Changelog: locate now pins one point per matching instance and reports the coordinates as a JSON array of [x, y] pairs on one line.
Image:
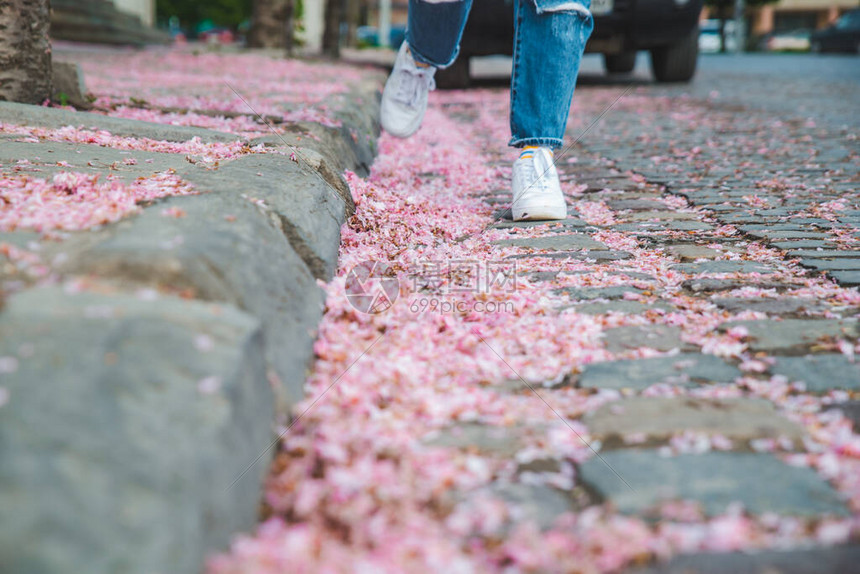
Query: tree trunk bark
[[272, 24], [353, 14], [25, 51], [331, 33]]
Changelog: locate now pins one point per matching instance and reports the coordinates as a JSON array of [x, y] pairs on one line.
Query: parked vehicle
[[668, 29], [789, 41], [843, 36], [368, 36], [709, 36]]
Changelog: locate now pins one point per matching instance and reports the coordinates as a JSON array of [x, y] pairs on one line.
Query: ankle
[[418, 64], [529, 151]]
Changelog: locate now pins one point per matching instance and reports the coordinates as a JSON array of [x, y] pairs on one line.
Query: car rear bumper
[[632, 25], [643, 24]]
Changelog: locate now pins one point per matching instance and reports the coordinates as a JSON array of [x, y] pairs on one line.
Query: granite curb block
[[140, 414], [803, 561], [123, 434]]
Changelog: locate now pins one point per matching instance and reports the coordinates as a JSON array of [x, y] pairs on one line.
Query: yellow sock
[[528, 151]]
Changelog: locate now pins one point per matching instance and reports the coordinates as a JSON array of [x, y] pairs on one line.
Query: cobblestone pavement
[[672, 373]]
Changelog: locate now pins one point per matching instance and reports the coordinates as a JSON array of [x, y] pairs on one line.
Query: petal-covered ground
[[223, 91], [491, 332], [246, 94], [459, 430]]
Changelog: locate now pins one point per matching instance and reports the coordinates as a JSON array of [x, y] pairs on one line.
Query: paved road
[[821, 86]]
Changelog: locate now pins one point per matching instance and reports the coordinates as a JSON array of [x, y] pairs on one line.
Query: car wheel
[[454, 77], [677, 62], [622, 63]]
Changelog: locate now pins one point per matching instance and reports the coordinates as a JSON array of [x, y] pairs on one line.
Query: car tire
[[456, 76], [622, 63], [676, 62]]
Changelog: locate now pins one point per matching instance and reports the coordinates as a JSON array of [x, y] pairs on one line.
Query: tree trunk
[[331, 33], [272, 24], [25, 51], [722, 34], [353, 14]]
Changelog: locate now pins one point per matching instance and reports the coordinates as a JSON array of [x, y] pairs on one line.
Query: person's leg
[[435, 29], [549, 40], [432, 41]]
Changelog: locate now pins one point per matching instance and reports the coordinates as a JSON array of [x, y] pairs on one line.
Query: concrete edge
[[253, 261]]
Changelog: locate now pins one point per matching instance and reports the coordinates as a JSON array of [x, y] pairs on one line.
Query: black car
[[668, 29], [843, 36]]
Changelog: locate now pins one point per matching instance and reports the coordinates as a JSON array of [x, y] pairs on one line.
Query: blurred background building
[[105, 21], [317, 24], [798, 14]]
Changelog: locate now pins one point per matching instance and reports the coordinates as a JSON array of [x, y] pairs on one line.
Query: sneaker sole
[[539, 213]]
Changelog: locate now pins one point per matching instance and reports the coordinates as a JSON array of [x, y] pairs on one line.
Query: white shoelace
[[533, 174], [412, 80]]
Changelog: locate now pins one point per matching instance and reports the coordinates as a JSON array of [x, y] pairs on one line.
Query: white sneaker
[[537, 191], [404, 99]]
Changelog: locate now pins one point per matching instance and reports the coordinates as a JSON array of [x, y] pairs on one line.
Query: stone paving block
[[543, 276], [782, 235], [851, 410], [753, 227], [739, 266], [787, 306], [793, 336], [663, 216], [835, 264], [626, 307], [761, 482], [640, 227], [633, 274], [659, 418], [687, 252], [505, 214], [637, 205], [709, 285], [541, 505], [821, 373], [591, 293], [127, 425], [659, 337], [688, 226], [824, 253], [562, 225], [596, 255], [501, 441], [68, 84], [846, 278], [838, 559], [638, 374], [804, 244], [571, 241]]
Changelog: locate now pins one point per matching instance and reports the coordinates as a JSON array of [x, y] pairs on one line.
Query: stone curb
[[139, 415]]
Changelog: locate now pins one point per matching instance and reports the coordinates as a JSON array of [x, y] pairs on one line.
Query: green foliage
[[226, 13], [729, 4]]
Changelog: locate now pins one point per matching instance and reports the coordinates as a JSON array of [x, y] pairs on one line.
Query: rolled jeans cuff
[[420, 58], [554, 143]]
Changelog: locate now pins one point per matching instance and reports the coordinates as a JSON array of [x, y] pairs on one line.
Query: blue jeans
[[549, 39]]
